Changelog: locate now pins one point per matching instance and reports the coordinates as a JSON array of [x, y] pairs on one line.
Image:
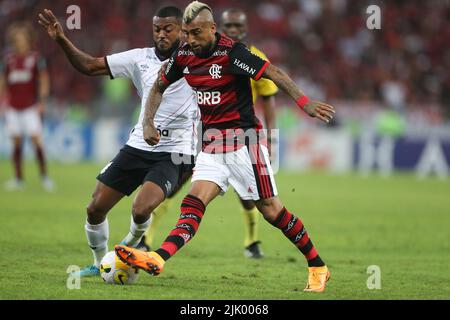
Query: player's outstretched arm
[[151, 135], [81, 61], [315, 109]]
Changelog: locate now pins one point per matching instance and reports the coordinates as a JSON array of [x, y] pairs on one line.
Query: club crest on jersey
[[215, 71]]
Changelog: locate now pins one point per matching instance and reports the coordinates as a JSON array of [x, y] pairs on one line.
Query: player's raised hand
[[320, 110], [48, 20], [151, 135]]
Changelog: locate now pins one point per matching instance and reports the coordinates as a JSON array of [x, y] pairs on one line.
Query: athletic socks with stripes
[[192, 210], [293, 228]]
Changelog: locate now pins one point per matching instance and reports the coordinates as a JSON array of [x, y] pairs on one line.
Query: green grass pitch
[[400, 224]]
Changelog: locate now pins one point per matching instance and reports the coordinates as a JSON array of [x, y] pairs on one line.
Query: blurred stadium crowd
[[325, 45]]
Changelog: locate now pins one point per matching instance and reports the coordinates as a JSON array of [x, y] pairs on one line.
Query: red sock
[[192, 210], [293, 228]]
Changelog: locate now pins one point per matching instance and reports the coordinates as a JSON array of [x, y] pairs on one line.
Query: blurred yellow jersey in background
[[262, 87]]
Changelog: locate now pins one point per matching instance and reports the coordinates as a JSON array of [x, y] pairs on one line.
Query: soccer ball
[[114, 271]]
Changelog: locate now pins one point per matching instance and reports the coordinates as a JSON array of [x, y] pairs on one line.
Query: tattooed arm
[[80, 60], [315, 109], [151, 135]]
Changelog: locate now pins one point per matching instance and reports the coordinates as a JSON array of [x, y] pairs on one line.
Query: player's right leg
[[97, 229], [160, 211], [14, 130], [209, 180], [192, 211], [16, 158]]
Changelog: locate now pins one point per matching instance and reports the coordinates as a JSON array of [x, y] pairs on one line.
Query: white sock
[[136, 232], [97, 236]]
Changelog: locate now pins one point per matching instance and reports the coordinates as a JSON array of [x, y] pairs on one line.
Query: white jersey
[[177, 116]]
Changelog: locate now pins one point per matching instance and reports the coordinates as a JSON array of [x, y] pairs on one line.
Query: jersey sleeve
[[245, 63], [173, 71], [122, 65], [263, 87]]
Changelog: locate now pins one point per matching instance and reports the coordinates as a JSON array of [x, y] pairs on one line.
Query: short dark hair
[[169, 11]]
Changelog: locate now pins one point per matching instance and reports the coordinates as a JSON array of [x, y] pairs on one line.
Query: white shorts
[[248, 170], [23, 122]]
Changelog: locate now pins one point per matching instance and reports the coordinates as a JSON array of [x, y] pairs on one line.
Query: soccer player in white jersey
[[157, 169]]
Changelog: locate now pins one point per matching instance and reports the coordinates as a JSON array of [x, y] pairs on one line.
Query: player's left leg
[[47, 183], [293, 229], [33, 123], [252, 177]]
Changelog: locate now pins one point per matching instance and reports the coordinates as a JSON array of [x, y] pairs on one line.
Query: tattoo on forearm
[[283, 81], [154, 99], [161, 85]]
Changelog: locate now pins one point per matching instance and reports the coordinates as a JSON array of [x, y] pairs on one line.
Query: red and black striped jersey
[[221, 82], [22, 76]]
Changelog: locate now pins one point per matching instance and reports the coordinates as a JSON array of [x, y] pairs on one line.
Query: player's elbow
[[90, 71], [95, 67]]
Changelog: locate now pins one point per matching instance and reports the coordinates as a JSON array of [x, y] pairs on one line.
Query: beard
[[166, 53]]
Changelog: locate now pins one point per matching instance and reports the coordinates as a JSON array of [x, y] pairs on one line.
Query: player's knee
[[248, 204], [96, 214], [36, 140], [142, 211], [269, 208]]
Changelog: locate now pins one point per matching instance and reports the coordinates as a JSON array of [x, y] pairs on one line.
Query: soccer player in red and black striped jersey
[[234, 150]]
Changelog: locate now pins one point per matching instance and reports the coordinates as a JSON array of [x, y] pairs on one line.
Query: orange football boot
[[150, 262], [317, 279]]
